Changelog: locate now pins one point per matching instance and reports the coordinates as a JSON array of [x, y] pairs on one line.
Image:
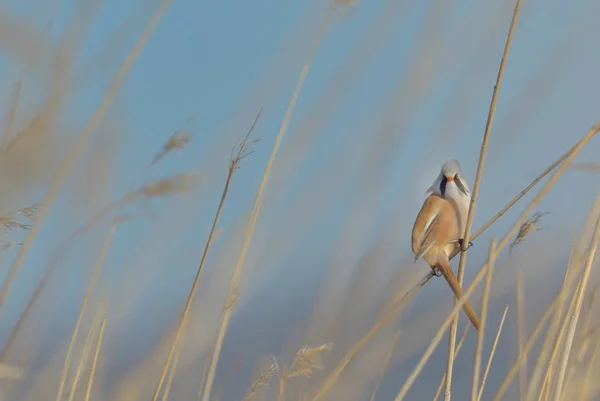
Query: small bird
[[440, 226]]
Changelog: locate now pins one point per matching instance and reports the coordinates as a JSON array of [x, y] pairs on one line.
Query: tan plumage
[[435, 235]]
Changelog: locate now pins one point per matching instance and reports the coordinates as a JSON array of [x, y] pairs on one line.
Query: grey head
[[451, 181]]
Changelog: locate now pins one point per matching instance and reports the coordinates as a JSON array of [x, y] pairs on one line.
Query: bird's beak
[[450, 179]]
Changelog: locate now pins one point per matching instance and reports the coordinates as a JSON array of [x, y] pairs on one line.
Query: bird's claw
[[461, 242], [437, 272]]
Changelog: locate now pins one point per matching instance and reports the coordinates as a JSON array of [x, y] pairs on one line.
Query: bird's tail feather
[[446, 270]]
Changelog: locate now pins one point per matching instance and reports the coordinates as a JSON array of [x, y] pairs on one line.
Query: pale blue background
[[387, 125]]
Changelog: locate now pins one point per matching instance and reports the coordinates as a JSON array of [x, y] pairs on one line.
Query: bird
[[440, 226]]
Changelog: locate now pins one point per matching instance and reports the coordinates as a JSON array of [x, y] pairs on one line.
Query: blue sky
[[393, 91]]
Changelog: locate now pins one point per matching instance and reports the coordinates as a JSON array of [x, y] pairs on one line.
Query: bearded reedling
[[440, 226]]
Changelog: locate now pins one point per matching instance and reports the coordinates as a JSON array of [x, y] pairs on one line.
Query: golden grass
[[480, 165], [378, 324]]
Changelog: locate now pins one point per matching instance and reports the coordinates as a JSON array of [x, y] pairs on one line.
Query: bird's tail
[[446, 270]]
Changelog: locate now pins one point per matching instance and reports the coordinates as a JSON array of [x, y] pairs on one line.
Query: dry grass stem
[[567, 155], [173, 367], [590, 369], [87, 347], [492, 353], [74, 152], [458, 348], [242, 151], [561, 169], [88, 391], [527, 228], [390, 313], [571, 273], [521, 334], [90, 287], [388, 357], [544, 392], [233, 290], [177, 183], [536, 332], [484, 311], [478, 175], [575, 317], [438, 337], [551, 338]]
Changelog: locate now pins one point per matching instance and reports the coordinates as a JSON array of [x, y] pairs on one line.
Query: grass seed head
[[527, 228]]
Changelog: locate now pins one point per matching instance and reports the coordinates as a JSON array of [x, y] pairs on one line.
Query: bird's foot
[[436, 272], [461, 242]]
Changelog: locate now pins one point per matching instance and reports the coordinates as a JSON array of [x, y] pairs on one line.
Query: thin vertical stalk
[[480, 166], [92, 282], [77, 148], [87, 347], [438, 337], [484, 312], [521, 334], [388, 357], [552, 333], [88, 391], [233, 165], [458, 348], [575, 318], [234, 284], [173, 370], [492, 353], [391, 311], [544, 393]]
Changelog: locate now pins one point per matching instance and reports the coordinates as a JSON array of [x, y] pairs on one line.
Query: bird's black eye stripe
[[460, 185], [443, 185]]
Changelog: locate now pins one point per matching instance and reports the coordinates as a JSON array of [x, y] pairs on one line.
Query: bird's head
[[450, 181]]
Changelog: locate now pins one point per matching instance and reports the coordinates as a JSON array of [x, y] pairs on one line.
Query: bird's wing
[[423, 234]]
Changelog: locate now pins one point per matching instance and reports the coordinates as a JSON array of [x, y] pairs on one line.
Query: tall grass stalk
[[458, 348], [479, 174], [545, 390], [90, 287], [563, 161], [88, 391], [533, 183], [87, 347], [548, 341], [492, 353], [438, 337], [234, 284], [521, 334], [390, 313], [233, 166], [173, 370], [575, 317], [77, 148], [556, 336], [484, 311], [560, 297], [67, 243], [388, 357]]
